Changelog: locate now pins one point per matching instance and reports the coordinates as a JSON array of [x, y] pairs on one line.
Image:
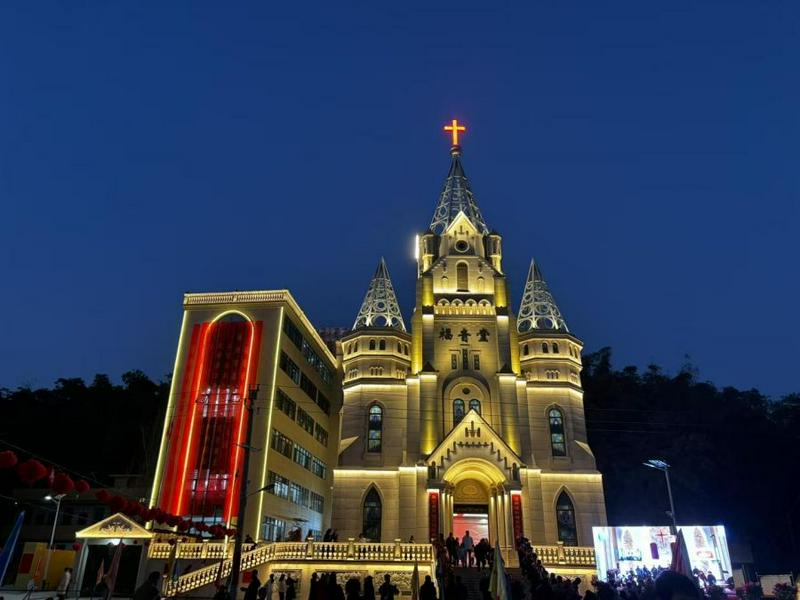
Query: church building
[[466, 416], [471, 419]]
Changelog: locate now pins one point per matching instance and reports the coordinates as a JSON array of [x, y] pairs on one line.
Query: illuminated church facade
[[468, 418]]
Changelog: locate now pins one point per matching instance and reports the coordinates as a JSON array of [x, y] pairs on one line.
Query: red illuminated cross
[[455, 128]]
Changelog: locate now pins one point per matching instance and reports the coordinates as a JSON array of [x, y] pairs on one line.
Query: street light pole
[[57, 498], [661, 465], [236, 560]]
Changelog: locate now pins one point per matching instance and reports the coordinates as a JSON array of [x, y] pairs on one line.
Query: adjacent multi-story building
[[234, 348]]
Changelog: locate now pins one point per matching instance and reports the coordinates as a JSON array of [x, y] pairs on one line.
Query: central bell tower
[[462, 330]]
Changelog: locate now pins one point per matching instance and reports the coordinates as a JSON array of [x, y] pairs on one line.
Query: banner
[[433, 515], [11, 542], [516, 516]]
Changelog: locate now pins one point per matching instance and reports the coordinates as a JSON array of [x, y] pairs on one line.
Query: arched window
[[372, 344], [399, 348], [475, 405], [565, 519], [545, 348], [347, 349], [375, 428], [558, 444], [382, 345], [405, 348], [525, 350], [555, 348], [462, 277], [355, 347], [371, 521], [458, 410]]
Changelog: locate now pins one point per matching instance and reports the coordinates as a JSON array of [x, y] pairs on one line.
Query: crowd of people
[[324, 586], [465, 552]]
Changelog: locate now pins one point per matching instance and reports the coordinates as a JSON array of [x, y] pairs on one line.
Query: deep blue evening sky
[[646, 153]]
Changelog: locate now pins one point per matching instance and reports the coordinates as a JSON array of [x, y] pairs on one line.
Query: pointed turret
[[538, 310], [456, 198], [380, 307]]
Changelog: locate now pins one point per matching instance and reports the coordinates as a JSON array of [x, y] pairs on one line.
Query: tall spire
[[538, 308], [380, 307], [456, 195]]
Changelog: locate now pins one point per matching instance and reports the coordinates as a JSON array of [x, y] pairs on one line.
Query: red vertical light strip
[[516, 516], [189, 440], [178, 427], [433, 515]]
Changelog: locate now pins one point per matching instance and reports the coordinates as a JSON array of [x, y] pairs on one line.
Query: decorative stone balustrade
[[256, 555]]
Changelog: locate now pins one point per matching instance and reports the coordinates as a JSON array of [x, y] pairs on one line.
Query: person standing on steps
[[427, 591], [251, 591], [469, 546], [281, 587], [388, 590]]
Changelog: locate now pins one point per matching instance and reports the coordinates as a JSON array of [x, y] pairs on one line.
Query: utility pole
[[236, 561], [660, 465]]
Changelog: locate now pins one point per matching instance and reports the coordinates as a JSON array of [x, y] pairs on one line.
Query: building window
[[302, 457], [372, 344], [476, 362], [305, 421], [525, 350], [355, 347], [281, 444], [565, 517], [475, 405], [318, 468], [273, 530], [465, 359], [375, 428], [458, 410], [454, 361], [551, 373], [399, 348], [545, 347], [286, 404], [405, 349], [557, 442], [371, 524], [555, 348], [382, 345], [320, 434], [462, 277], [290, 368]]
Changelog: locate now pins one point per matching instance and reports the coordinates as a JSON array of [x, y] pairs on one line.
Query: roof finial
[[454, 128]]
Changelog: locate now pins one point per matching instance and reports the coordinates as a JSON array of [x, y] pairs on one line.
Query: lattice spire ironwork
[[380, 307], [538, 309], [456, 197]]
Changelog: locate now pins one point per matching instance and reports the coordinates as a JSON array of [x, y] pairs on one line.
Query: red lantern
[[76, 546], [8, 459], [31, 471], [103, 495], [82, 486], [117, 504], [62, 483]]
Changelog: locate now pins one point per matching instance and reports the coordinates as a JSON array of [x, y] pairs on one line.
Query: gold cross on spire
[[455, 128]]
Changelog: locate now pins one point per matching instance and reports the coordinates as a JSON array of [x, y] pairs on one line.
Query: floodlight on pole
[[57, 499], [661, 465]]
